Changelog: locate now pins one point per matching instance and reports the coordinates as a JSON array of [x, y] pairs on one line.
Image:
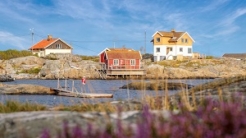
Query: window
[[189, 50], [58, 46], [186, 40], [162, 57], [170, 48], [182, 40], [158, 49], [132, 62], [180, 49], [116, 62], [158, 39]]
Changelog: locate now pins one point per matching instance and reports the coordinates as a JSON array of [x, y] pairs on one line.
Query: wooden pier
[[64, 92], [80, 95]]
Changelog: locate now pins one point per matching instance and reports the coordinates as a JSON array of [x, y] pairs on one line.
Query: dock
[[74, 93], [61, 92]]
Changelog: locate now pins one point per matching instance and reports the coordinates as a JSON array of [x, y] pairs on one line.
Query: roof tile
[[43, 43], [123, 53]]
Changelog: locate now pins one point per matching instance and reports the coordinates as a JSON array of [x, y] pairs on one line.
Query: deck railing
[[121, 67]]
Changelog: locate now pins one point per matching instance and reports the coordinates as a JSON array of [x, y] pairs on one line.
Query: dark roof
[[235, 55]]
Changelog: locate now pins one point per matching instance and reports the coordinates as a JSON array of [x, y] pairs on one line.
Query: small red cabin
[[120, 58], [121, 61]]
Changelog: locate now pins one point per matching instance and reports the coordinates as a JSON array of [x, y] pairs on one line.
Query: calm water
[[92, 86]]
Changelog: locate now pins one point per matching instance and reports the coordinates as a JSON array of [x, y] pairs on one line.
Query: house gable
[[58, 45], [46, 43], [172, 38], [185, 40], [43, 44]]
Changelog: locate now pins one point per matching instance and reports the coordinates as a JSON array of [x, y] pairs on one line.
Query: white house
[[170, 45], [51, 45]]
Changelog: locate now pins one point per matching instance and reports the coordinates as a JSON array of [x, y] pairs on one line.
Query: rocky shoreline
[[6, 78], [73, 67], [32, 124]]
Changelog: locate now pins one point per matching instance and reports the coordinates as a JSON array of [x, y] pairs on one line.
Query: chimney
[[172, 30], [49, 37]]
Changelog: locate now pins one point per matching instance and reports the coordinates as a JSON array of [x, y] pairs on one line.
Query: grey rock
[[24, 89], [32, 124]]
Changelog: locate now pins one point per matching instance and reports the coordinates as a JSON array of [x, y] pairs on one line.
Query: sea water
[[91, 86]]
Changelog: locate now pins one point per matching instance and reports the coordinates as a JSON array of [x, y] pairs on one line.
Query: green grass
[[92, 58], [14, 106], [31, 71], [11, 53], [190, 63]]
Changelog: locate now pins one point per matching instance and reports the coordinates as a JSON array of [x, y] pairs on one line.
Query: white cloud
[[177, 21], [17, 11], [12, 40], [214, 5], [232, 18], [228, 25]]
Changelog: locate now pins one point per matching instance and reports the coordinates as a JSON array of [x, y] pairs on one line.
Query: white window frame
[[58, 46], [133, 62], [158, 39], [116, 62]]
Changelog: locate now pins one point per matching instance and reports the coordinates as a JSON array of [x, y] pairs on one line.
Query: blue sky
[[217, 26]]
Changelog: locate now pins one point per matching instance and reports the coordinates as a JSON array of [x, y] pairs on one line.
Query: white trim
[[65, 43], [140, 54], [117, 62], [156, 33], [131, 62], [104, 51], [188, 35]]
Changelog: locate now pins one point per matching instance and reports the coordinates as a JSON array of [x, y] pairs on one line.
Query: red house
[[121, 61]]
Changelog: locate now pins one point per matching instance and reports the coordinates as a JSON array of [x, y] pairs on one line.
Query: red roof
[[44, 43], [122, 53]]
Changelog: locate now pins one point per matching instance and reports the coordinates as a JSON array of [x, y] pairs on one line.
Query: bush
[[8, 54]]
